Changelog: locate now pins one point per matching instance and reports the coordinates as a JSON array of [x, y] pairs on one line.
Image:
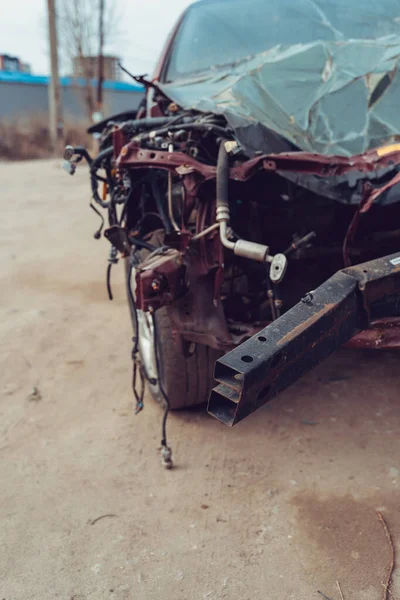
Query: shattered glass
[[316, 75]]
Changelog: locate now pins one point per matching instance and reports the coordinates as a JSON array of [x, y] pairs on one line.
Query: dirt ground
[[276, 508]]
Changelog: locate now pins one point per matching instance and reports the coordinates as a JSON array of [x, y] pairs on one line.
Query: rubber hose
[[206, 127], [222, 177], [96, 164]]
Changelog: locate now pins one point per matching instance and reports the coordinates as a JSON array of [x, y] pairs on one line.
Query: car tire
[[186, 378]]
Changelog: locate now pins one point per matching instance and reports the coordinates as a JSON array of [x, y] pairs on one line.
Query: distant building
[[87, 66], [22, 94], [12, 64]]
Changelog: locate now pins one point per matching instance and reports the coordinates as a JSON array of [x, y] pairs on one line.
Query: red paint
[[382, 335]]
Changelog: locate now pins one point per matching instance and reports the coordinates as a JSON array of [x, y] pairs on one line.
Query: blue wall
[[23, 94]]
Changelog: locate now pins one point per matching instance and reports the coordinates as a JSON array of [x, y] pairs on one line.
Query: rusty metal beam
[[269, 362], [132, 156], [381, 335]]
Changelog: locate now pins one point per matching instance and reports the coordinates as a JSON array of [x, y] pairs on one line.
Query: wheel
[[186, 379]]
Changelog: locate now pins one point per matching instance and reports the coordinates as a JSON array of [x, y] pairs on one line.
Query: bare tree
[[85, 28]]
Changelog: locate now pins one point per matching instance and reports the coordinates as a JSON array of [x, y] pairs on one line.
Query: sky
[[144, 27]]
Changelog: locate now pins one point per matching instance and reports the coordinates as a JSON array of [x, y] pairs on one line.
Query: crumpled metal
[[336, 92]]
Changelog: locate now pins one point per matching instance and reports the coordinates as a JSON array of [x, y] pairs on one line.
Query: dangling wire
[[97, 233], [166, 452], [112, 260], [138, 368]]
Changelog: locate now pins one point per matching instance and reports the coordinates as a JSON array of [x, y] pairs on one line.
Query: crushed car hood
[[332, 96]]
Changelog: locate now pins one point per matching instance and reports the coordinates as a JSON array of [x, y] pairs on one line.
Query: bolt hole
[[365, 271], [276, 360], [247, 359], [264, 392], [262, 338], [152, 155], [277, 267]]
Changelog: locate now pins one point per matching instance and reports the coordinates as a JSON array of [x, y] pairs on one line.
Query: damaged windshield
[[223, 32], [315, 75]]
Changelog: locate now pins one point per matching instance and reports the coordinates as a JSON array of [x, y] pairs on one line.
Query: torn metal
[[347, 303], [268, 159]]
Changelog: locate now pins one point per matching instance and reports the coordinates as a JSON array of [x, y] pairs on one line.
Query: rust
[[375, 193], [305, 324], [382, 335], [160, 280], [118, 140], [133, 156], [352, 300]]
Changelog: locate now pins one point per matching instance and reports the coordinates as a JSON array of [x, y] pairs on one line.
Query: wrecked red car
[[255, 198]]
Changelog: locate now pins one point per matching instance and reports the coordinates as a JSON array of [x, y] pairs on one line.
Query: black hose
[[96, 164], [130, 127], [206, 127], [108, 280], [142, 244], [222, 177], [164, 394], [150, 122]]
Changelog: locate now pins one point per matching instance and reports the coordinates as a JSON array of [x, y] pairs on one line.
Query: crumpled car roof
[[338, 95]]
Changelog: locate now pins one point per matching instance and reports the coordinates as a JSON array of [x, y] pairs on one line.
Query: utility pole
[[100, 77], [55, 111]]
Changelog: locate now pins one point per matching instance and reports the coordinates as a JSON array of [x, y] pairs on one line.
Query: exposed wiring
[[297, 244], [112, 260], [131, 127], [205, 127], [138, 368], [96, 164], [97, 233], [166, 453]]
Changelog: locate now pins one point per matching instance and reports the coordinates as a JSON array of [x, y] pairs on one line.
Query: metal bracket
[[278, 268], [269, 362]]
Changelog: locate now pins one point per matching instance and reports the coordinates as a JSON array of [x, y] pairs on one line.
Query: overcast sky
[[144, 28]]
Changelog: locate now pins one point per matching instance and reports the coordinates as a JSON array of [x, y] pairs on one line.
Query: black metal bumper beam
[[263, 366]]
